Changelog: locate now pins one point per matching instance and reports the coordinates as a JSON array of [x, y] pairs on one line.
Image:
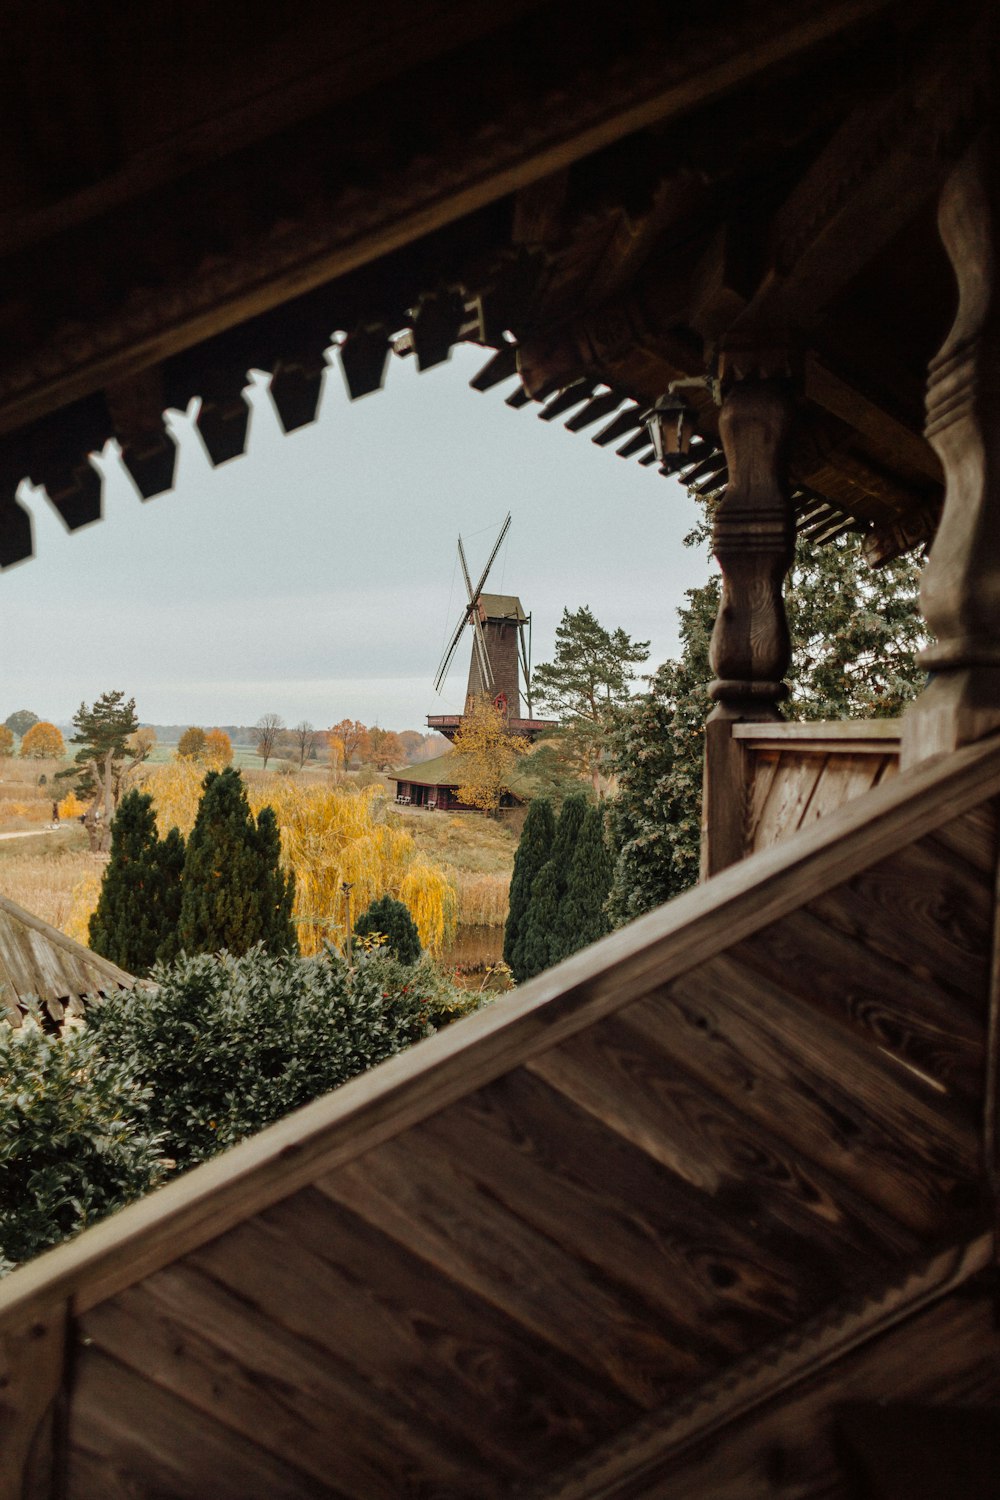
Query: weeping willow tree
[[329, 835]]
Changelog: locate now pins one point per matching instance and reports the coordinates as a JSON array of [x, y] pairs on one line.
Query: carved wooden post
[[753, 540], [960, 594]]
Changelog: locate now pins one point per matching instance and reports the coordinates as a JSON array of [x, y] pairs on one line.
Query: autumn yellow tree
[[489, 755], [349, 739], [191, 745], [43, 742], [218, 751], [385, 748], [6, 741], [329, 835]]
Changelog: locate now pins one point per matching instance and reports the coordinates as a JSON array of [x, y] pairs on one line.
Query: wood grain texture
[[927, 914], [191, 1336], [973, 838], [825, 1091], [797, 1211], [844, 777], [790, 1450], [904, 1010], [449, 1355], [32, 1375], [129, 1437], [707, 1286], [429, 1198], [637, 1463], [791, 789]]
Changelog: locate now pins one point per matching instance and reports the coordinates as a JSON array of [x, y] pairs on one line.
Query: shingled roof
[[38, 960]]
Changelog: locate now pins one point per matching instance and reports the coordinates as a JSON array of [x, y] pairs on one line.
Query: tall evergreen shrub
[[235, 893], [543, 943], [583, 918], [534, 848], [135, 921]]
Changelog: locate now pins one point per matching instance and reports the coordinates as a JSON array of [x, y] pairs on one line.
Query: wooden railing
[[698, 1137], [779, 777]]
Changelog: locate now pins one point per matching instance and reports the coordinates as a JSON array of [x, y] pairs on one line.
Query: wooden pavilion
[[711, 1209]]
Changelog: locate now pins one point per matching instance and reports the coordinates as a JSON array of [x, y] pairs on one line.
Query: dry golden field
[[53, 874], [476, 851]]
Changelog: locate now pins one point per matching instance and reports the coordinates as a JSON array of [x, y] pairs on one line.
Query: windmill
[[501, 643]]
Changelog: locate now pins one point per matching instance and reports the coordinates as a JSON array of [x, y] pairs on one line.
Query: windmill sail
[[471, 617]]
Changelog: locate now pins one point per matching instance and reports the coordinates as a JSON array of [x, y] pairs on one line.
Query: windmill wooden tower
[[501, 651]]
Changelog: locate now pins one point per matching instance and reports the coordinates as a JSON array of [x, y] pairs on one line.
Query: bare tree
[[265, 735], [304, 736]]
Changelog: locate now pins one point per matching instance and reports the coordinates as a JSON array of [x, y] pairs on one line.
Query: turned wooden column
[[753, 539], [960, 592]]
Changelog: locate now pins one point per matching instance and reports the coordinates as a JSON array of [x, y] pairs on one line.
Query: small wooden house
[[434, 784]]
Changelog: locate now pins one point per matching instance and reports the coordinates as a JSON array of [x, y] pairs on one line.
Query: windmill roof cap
[[502, 607]]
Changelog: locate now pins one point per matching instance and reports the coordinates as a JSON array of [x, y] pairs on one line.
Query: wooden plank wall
[[795, 774]]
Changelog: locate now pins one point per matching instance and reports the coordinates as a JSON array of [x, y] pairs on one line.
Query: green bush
[[223, 1046], [390, 919], [75, 1139], [171, 1073]]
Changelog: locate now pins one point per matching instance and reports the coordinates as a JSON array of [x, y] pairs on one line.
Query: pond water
[[473, 949]]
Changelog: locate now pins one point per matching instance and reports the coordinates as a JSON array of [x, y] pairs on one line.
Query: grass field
[[477, 853], [51, 873], [46, 874]]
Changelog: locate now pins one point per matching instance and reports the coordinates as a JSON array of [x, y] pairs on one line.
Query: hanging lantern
[[671, 426]]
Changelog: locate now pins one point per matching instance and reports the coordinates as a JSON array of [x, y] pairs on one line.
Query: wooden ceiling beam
[[884, 163], [672, 76]]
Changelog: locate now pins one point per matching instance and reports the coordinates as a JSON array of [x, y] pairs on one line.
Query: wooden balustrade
[[781, 777]]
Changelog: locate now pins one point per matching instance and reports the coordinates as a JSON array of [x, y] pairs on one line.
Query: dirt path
[[33, 833]]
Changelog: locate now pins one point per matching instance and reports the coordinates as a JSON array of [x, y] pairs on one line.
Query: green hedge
[[167, 1075]]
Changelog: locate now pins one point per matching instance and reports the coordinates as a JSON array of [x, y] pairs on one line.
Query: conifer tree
[[135, 921], [583, 918], [534, 848], [542, 941], [855, 633], [235, 893], [392, 919]]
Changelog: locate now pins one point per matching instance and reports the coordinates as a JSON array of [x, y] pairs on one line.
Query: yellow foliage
[[489, 753], [84, 900], [329, 834], [71, 806], [483, 899], [176, 792], [218, 750], [430, 897]]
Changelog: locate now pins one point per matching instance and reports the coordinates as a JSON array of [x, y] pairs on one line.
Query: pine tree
[[543, 914], [135, 921], [235, 893], [855, 634], [543, 945], [392, 919], [583, 917], [534, 848]]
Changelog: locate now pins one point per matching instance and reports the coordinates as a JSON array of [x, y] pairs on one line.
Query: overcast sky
[[316, 577]]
